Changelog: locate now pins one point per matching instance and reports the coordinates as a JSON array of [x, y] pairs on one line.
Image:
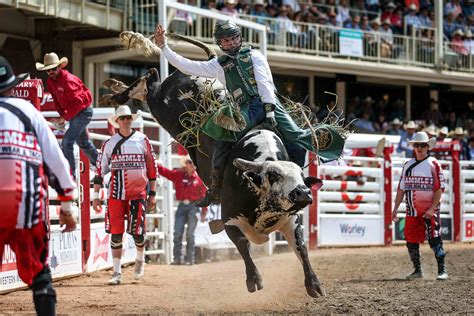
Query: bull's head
[[279, 184]]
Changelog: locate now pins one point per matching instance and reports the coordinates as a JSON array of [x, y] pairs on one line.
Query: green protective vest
[[239, 76]]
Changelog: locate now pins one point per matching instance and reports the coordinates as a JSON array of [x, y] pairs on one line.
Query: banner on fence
[[350, 43], [446, 229], [203, 236], [351, 230], [468, 225], [101, 255]]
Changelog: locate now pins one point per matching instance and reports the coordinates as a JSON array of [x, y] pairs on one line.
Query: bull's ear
[[313, 182], [254, 178]]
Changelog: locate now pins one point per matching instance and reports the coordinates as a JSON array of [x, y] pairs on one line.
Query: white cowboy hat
[[412, 7], [431, 130], [422, 137], [459, 131], [396, 121], [184, 159], [122, 110], [458, 32], [411, 124], [259, 2], [443, 130], [51, 61]]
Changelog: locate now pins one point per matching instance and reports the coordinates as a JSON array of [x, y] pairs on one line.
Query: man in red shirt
[[189, 188], [73, 101]]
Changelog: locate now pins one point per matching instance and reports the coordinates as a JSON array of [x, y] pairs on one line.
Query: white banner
[[64, 258], [203, 236], [101, 255], [350, 43], [65, 253], [350, 230]]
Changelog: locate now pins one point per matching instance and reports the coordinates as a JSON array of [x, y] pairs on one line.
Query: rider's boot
[[214, 192]]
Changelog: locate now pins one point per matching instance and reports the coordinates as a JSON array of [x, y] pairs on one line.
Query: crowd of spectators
[[385, 19], [386, 117]]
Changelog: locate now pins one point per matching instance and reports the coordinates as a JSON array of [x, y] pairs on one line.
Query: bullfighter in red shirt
[[73, 101], [189, 188]]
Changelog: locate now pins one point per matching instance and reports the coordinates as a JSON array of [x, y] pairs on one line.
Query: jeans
[[77, 132], [186, 214]]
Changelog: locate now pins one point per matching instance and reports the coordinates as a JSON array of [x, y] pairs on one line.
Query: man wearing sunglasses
[[422, 183], [129, 157], [73, 101]]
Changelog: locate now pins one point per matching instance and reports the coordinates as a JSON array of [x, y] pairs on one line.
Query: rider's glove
[[270, 114]]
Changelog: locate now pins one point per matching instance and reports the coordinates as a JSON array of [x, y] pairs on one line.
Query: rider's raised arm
[[263, 76], [208, 69]]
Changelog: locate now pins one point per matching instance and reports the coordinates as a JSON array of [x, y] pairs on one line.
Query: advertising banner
[[350, 43], [350, 230], [65, 258], [203, 236], [101, 254], [446, 229], [468, 228]]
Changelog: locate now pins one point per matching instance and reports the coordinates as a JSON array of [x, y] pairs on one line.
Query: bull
[[262, 190]]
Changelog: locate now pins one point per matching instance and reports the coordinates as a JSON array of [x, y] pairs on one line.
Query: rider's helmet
[[228, 29]]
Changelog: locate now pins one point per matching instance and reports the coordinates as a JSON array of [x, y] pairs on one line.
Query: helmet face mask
[[228, 37]]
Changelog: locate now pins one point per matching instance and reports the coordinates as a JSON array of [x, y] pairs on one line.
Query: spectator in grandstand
[[354, 23], [403, 145], [332, 21], [433, 115], [412, 22], [469, 42], [460, 135], [452, 121], [470, 22], [364, 25], [73, 101], [424, 17], [454, 7], [373, 6], [365, 123], [373, 38], [431, 131], [293, 5], [380, 125], [442, 134], [397, 21], [287, 32], [471, 147], [423, 200], [343, 13], [259, 12], [389, 11], [358, 8], [25, 167], [189, 188], [449, 26], [129, 157], [395, 128], [386, 38], [229, 9]]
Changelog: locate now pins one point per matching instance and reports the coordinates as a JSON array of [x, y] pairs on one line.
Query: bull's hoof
[[256, 283], [314, 288]]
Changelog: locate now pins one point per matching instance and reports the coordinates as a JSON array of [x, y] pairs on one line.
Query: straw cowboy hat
[[458, 32], [459, 131], [431, 130], [443, 130], [396, 122], [51, 60], [122, 110], [183, 160], [8, 79], [259, 2], [411, 125], [422, 137]]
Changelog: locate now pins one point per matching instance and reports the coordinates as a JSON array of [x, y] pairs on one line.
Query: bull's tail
[[144, 45]]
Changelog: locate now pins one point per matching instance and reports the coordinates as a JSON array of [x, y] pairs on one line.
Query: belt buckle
[[186, 202]]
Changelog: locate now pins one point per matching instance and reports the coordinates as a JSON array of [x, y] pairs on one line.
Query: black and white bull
[[262, 190]]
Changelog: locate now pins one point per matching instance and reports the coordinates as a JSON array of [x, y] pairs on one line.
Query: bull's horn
[[246, 165]]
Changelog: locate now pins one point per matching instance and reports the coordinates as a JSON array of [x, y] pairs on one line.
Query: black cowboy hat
[[7, 77]]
